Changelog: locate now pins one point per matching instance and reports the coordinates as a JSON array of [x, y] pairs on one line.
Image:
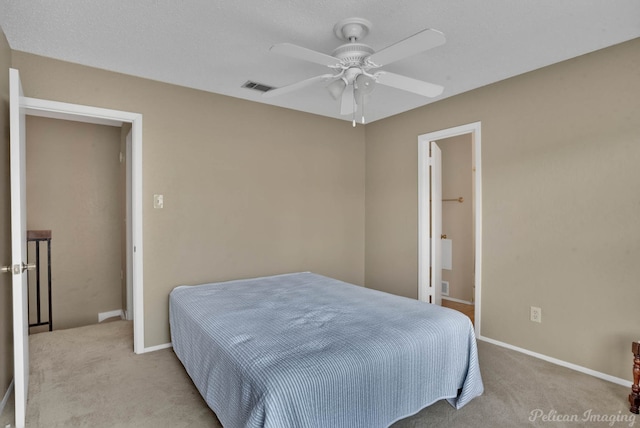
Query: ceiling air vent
[[257, 86]]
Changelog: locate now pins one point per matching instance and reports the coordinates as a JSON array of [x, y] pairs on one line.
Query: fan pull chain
[[355, 108]]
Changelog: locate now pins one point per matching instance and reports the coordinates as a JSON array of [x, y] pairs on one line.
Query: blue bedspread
[[303, 350]]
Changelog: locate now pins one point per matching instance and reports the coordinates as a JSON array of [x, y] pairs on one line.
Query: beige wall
[[457, 218], [6, 325], [560, 151], [249, 189], [73, 189]]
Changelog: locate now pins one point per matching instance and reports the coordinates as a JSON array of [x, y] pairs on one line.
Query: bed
[[304, 350]]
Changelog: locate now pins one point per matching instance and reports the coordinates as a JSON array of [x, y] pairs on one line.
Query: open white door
[[429, 222], [436, 223], [19, 246]]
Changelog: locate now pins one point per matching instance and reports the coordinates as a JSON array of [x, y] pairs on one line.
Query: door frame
[[423, 197], [102, 116]]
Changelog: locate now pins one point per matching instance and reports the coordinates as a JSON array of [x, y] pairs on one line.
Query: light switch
[[158, 201]]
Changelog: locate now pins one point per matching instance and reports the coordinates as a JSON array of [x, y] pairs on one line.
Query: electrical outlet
[[536, 314]]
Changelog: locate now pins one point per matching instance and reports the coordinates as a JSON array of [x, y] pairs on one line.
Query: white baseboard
[[157, 347], [552, 360], [451, 299], [6, 397], [106, 315]]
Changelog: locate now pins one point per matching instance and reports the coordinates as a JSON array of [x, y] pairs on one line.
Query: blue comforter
[[303, 350]]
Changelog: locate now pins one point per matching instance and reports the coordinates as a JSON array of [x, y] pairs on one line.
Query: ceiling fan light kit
[[336, 87], [352, 63]]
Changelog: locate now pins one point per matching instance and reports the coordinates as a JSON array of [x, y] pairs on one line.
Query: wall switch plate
[[536, 314], [158, 201]]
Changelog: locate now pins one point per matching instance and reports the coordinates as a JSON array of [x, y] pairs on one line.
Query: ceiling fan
[[355, 65]]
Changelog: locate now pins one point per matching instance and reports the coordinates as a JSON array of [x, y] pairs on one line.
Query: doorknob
[[18, 269], [443, 236]]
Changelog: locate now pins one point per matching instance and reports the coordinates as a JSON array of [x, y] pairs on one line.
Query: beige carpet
[[89, 377]]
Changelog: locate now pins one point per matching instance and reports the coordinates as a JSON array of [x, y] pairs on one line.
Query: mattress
[[304, 350]]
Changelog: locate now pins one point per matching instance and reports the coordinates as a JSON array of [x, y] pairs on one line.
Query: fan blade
[[412, 45], [298, 52], [346, 106], [408, 84], [295, 86]]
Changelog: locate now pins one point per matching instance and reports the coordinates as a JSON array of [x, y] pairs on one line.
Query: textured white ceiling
[[216, 45]]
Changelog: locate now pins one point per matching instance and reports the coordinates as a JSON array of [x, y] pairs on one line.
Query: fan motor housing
[[351, 54]]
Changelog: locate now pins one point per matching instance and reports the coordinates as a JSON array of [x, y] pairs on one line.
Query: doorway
[[74, 190], [471, 133], [116, 118], [457, 219]]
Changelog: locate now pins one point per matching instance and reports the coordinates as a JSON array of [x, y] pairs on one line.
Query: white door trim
[[475, 130], [128, 232], [101, 116], [435, 218]]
